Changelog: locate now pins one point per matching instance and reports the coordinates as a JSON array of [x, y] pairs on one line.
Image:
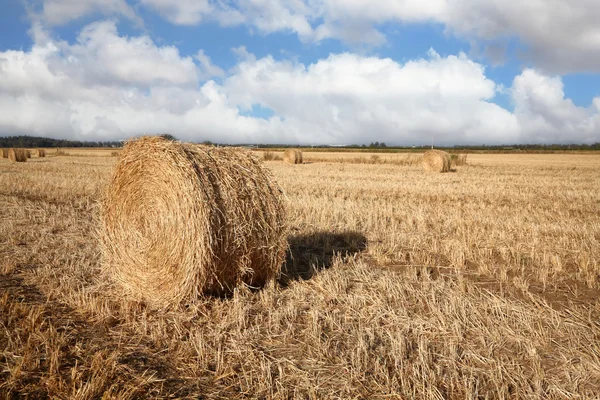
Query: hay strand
[[17, 155], [293, 156], [436, 161], [181, 220]]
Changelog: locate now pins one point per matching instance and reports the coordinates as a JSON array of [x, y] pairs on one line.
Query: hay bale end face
[[181, 220], [293, 156], [436, 161], [17, 155]]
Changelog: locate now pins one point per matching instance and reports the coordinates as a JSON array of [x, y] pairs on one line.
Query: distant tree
[[168, 136]]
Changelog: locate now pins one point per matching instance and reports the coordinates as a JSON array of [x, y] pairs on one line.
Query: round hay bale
[[27, 153], [4, 153], [41, 153], [180, 220], [293, 156], [436, 161], [17, 155]]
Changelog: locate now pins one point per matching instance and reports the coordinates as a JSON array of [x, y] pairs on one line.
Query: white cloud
[[58, 12], [182, 12], [559, 36], [102, 56], [347, 98], [545, 115], [209, 70], [107, 86]]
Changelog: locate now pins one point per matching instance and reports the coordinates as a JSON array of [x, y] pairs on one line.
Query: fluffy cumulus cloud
[[108, 86], [90, 91], [545, 115], [348, 98]]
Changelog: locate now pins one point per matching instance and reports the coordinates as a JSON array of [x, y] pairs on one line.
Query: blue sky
[[307, 72]]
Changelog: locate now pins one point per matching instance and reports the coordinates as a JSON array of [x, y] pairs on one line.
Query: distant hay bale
[[436, 161], [17, 155], [28, 153], [180, 220], [4, 153], [41, 153], [293, 156]]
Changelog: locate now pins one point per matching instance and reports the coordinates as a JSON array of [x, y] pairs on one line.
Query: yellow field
[[478, 283]]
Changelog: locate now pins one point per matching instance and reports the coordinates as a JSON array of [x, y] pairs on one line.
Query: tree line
[[34, 142]]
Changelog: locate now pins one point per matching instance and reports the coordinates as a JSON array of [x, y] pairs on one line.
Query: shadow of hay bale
[[309, 254]]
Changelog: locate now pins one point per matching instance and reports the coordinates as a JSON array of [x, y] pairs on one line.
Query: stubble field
[[479, 283]]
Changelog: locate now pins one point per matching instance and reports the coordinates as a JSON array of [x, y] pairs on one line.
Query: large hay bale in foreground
[[180, 220], [436, 161], [17, 155], [293, 156]]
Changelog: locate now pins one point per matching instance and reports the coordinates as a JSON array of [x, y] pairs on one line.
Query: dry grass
[[479, 284], [458, 160], [436, 161], [180, 220], [271, 156]]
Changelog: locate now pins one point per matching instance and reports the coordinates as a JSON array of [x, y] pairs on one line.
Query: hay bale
[[293, 156], [436, 161], [27, 153], [179, 220], [17, 155], [4, 153], [41, 153]]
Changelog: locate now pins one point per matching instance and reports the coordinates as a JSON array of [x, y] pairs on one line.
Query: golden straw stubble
[[436, 161], [181, 220]]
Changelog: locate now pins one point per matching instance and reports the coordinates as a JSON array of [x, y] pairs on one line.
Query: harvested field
[[398, 283]]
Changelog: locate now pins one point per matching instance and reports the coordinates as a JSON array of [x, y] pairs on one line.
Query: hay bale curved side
[[181, 220], [436, 161], [292, 156], [289, 156], [17, 155], [4, 152]]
